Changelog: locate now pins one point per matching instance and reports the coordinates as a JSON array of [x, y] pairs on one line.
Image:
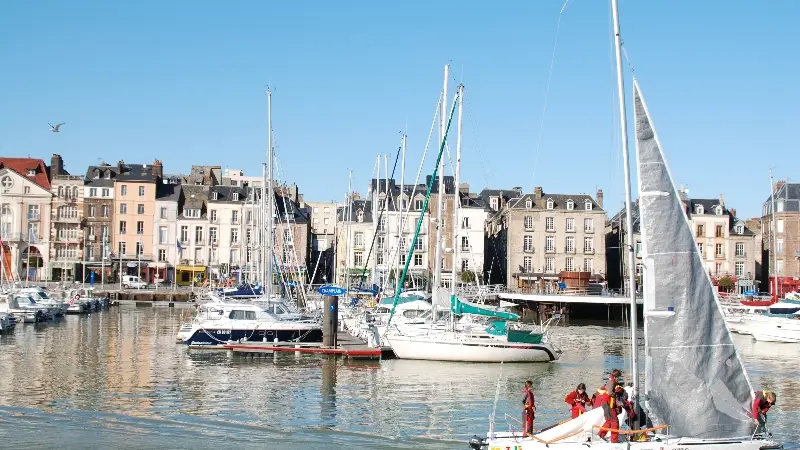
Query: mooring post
[[330, 321]]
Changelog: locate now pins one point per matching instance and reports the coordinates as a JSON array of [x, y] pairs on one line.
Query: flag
[[180, 248]]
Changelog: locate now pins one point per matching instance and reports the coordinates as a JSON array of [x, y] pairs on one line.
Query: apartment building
[[25, 214], [67, 237], [727, 246], [226, 230], [353, 235], [323, 224], [538, 236], [781, 233], [134, 205], [193, 228], [165, 237], [470, 237], [98, 214]]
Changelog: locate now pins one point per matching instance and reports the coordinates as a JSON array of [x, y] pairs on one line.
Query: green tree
[[468, 276], [726, 283]]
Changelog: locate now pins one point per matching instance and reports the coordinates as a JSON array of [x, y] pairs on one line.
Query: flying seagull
[[54, 129]]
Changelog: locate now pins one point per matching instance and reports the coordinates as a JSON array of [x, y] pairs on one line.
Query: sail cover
[[695, 380]]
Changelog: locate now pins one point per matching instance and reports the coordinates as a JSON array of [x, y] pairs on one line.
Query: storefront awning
[[159, 265], [191, 268]]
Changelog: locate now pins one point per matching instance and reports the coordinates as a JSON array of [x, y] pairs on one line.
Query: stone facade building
[[165, 236], [727, 246], [535, 237], [25, 214], [67, 237], [98, 212], [782, 238]]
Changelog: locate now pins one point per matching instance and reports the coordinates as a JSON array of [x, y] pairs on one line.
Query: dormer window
[[570, 205], [739, 229], [108, 174], [360, 216], [31, 172], [494, 203], [96, 174], [588, 206], [718, 210], [698, 209], [192, 213], [550, 203], [235, 196], [780, 205], [214, 195], [528, 204]]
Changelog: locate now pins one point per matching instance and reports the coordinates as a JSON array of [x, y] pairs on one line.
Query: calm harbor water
[[116, 379]]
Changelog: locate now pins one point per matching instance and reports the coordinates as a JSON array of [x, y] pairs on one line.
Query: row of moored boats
[[34, 304]]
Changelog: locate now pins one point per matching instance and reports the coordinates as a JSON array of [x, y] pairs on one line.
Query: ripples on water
[[117, 379]]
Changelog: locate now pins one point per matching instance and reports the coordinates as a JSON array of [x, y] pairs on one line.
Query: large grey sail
[[695, 380]]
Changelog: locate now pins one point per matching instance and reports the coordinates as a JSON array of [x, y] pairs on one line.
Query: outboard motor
[[476, 443]]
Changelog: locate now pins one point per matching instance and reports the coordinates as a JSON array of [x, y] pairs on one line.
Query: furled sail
[[695, 380]]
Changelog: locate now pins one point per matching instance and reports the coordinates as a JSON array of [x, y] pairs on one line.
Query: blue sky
[[184, 82]]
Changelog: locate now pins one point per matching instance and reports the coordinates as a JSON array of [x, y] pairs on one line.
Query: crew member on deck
[[528, 408], [578, 400], [764, 400], [606, 399]]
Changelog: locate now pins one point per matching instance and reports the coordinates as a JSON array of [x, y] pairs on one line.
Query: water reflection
[[120, 375]]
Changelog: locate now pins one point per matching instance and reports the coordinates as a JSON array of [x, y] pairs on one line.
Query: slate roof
[[193, 197], [168, 192], [358, 204], [708, 209], [225, 194], [22, 165], [504, 194], [560, 202], [789, 193], [137, 172], [101, 171]]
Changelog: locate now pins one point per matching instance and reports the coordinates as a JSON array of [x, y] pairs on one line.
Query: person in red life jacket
[[763, 401], [528, 408], [578, 400], [606, 398]]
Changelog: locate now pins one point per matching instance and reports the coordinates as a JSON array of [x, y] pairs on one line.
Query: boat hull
[[519, 443], [217, 336], [466, 350]]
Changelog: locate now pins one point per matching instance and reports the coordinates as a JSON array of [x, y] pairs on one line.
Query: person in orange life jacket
[[528, 408], [606, 398], [763, 401], [578, 400], [622, 402]]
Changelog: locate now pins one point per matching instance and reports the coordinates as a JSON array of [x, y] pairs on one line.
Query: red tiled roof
[[21, 166]]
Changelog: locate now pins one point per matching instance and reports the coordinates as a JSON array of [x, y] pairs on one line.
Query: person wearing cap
[[578, 400], [528, 408], [763, 401]]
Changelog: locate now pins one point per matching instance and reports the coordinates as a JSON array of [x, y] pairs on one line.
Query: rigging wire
[[546, 96]]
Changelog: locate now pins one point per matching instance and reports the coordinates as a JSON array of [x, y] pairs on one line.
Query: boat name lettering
[[515, 447], [222, 331]]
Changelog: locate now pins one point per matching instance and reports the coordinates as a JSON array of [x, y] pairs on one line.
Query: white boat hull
[[487, 350], [501, 442], [767, 329]]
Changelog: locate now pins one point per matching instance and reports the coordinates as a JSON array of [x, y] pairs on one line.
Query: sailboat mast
[[772, 229], [385, 246], [457, 199], [628, 198], [401, 209], [270, 198], [376, 196], [437, 261]]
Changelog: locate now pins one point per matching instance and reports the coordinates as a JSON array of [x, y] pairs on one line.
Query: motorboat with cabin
[[55, 306], [25, 307], [222, 323]]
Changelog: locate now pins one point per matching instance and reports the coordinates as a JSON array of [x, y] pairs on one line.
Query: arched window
[[61, 191], [74, 191]]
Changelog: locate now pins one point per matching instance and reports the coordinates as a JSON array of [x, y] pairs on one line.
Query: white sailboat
[[487, 341], [697, 394]]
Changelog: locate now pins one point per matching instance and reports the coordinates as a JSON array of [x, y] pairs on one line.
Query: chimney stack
[[721, 200], [733, 212], [120, 165], [600, 197], [778, 186], [537, 191], [56, 166], [464, 188], [158, 168]]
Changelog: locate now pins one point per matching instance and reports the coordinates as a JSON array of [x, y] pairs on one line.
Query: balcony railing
[[527, 250], [65, 219], [588, 251], [570, 250], [466, 249], [34, 217], [588, 230], [549, 250], [719, 256]]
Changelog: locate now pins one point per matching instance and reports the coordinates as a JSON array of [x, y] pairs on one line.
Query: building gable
[[14, 183]]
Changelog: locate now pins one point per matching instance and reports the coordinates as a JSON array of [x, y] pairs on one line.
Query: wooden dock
[[348, 346]]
